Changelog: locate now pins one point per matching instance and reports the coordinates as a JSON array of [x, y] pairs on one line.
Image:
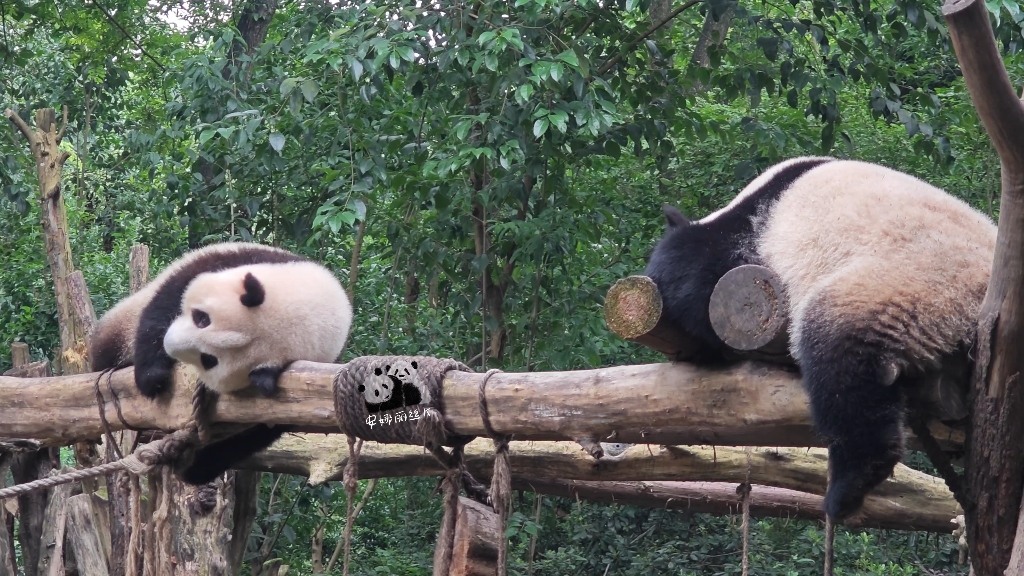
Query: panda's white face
[[258, 316], [214, 330], [378, 388]]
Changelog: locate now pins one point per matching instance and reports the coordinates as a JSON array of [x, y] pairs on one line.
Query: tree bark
[[7, 564], [994, 475], [29, 466], [748, 404], [84, 537]]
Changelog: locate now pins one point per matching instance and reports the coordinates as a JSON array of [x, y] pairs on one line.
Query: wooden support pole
[[477, 533], [993, 473], [84, 537]]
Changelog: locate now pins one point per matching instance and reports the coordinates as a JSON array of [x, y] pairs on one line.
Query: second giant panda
[[240, 313], [884, 275]]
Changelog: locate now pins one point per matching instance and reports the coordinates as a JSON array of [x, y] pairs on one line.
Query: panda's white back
[[879, 246]]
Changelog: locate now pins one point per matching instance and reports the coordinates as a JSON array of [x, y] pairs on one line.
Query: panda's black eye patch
[[208, 360], [200, 319]]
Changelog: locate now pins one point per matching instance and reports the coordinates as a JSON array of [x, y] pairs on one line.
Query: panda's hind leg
[[854, 406], [214, 459]]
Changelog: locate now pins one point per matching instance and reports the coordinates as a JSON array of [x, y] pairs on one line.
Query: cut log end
[[632, 307], [748, 309], [632, 310]]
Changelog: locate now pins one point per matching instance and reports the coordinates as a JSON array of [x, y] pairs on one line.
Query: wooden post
[[994, 475], [29, 466], [84, 537], [55, 521], [475, 552], [7, 564], [121, 503]]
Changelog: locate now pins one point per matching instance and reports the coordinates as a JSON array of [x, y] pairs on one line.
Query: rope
[[744, 492], [829, 537], [446, 536], [350, 480], [830, 531], [142, 461], [501, 479]]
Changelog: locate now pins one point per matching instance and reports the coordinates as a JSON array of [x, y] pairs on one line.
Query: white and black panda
[[240, 313], [884, 275]]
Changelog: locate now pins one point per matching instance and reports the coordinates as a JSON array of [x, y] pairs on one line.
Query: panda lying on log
[[240, 313], [884, 276]]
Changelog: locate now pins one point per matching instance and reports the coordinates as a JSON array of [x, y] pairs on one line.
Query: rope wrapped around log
[[396, 400], [409, 410]]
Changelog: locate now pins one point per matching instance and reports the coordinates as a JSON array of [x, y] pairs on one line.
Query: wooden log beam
[[910, 500], [993, 473], [748, 404], [477, 533]]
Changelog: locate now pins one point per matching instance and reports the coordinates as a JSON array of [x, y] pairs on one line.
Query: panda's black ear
[[674, 217], [254, 293], [377, 371]]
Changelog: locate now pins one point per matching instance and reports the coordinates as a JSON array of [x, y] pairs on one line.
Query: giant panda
[[240, 313], [884, 276]]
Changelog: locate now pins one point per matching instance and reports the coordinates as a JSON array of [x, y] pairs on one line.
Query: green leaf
[[462, 129], [406, 53], [309, 90], [540, 127], [356, 66], [288, 85], [486, 37], [277, 141], [569, 57], [205, 136]]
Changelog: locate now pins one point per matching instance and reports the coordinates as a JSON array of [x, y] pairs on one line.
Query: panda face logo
[[393, 386], [377, 390]]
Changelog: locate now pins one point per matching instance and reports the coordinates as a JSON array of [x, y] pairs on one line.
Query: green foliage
[[566, 124]]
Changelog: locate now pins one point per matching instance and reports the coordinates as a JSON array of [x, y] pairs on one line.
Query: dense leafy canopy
[[482, 172]]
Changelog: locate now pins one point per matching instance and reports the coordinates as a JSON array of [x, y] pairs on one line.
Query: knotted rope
[[744, 491], [830, 531], [167, 451], [396, 400], [501, 478]]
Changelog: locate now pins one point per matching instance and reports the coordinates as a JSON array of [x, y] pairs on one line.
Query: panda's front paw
[[152, 380], [265, 379]]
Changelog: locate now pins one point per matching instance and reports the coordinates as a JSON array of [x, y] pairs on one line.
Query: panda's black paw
[[264, 379], [152, 380], [842, 500]]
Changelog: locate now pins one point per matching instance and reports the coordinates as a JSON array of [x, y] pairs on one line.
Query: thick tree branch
[[128, 36], [22, 127], [994, 476], [618, 57]]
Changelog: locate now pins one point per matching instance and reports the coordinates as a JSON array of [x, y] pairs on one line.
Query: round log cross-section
[[632, 310], [748, 310]]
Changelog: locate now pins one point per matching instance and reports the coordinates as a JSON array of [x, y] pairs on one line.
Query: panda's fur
[[884, 276], [240, 313]]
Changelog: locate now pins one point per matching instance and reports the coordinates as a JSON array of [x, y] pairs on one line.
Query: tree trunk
[[994, 475]]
